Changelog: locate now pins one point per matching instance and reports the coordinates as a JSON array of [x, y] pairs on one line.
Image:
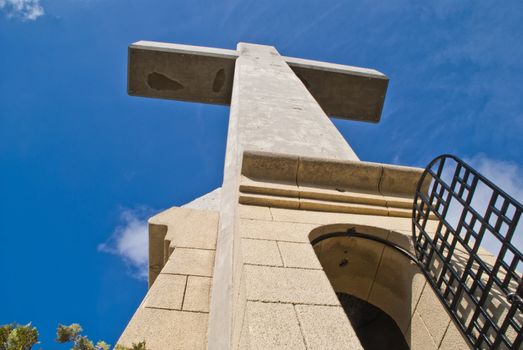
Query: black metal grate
[[467, 240]]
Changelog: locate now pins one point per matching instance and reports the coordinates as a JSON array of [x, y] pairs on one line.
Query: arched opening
[[374, 328], [377, 286]]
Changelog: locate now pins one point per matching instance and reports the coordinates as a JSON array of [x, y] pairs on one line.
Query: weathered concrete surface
[[174, 313], [202, 74], [184, 261], [271, 111], [273, 167], [276, 112], [167, 292], [288, 285], [343, 91], [326, 327], [181, 234], [175, 227], [282, 273], [261, 252], [197, 294], [372, 272], [209, 201], [180, 72], [166, 329], [305, 183], [272, 326], [298, 255]]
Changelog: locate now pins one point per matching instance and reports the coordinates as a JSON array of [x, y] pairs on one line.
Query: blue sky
[[83, 164]]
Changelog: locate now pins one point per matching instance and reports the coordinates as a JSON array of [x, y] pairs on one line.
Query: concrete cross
[[278, 104], [282, 101], [202, 74]]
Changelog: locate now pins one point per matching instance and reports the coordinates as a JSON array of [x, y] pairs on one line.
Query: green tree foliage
[[135, 346], [72, 334], [19, 337]]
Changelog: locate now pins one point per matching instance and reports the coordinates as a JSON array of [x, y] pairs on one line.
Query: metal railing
[[468, 243]]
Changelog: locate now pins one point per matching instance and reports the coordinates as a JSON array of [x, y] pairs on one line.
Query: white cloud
[[130, 241], [507, 176], [23, 9]]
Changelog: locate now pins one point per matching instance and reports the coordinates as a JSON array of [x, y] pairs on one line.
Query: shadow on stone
[[375, 329], [219, 81], [161, 82]]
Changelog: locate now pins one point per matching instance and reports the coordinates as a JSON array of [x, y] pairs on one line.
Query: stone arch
[[379, 276]]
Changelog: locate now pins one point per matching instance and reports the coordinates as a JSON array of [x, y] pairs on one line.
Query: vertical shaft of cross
[[275, 112], [271, 111]]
